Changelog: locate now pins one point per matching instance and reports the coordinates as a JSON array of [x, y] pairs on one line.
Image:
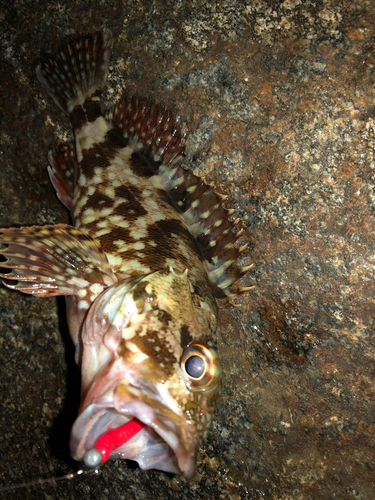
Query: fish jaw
[[169, 442], [135, 339]]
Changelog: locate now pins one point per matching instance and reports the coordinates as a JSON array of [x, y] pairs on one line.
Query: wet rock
[[280, 101]]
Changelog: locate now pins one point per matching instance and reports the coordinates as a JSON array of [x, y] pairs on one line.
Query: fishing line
[[39, 482]]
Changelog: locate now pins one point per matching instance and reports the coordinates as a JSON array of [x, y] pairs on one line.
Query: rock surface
[[280, 101]]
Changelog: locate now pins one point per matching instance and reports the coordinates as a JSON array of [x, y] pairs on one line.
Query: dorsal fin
[[211, 225], [150, 128], [154, 130]]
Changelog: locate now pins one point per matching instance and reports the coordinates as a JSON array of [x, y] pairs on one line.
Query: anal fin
[[62, 173], [54, 260]]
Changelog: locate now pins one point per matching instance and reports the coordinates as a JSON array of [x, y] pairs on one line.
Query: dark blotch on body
[[106, 241], [155, 346], [99, 200], [186, 338], [164, 229], [132, 208], [97, 156], [164, 197], [87, 113], [143, 165], [101, 154], [168, 246], [117, 137], [164, 317]]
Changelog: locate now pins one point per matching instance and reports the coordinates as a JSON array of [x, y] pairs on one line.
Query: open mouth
[[144, 431], [111, 440]]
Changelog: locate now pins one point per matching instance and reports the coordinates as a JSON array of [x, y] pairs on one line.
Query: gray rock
[[280, 101]]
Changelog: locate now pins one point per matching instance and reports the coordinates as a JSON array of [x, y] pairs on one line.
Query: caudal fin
[[77, 71]]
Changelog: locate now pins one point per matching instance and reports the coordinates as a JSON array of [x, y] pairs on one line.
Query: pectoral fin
[[54, 260]]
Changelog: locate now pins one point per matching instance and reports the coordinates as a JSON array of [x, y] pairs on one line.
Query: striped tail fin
[[77, 71]]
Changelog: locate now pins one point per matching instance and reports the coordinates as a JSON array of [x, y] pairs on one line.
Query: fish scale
[[146, 264]]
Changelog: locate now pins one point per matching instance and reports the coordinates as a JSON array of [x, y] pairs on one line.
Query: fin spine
[[210, 223]]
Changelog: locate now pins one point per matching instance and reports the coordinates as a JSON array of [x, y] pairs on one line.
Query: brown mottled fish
[[148, 259]]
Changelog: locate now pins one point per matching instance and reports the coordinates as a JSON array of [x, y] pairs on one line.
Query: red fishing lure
[[111, 440]]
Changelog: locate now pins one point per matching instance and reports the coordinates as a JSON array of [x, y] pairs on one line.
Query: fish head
[[148, 353]]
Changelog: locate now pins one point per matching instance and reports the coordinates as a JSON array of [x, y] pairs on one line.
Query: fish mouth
[[168, 442]]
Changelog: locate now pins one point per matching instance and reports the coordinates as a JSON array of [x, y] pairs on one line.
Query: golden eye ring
[[201, 366]]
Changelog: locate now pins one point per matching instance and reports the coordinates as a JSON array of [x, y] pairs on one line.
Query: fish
[[145, 264]]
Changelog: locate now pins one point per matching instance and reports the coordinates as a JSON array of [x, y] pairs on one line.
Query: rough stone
[[280, 101]]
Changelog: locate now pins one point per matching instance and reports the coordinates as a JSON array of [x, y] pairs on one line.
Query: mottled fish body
[[144, 266]]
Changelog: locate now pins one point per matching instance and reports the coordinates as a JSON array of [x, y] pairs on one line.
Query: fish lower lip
[[161, 444]]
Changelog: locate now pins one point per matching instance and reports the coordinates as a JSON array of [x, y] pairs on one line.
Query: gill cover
[[144, 356]]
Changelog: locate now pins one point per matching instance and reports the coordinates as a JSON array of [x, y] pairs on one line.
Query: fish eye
[[195, 366], [201, 366]]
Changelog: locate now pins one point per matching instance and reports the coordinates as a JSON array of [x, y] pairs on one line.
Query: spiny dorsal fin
[[154, 130], [211, 225]]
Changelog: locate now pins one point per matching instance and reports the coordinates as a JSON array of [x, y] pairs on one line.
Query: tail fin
[[77, 71]]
